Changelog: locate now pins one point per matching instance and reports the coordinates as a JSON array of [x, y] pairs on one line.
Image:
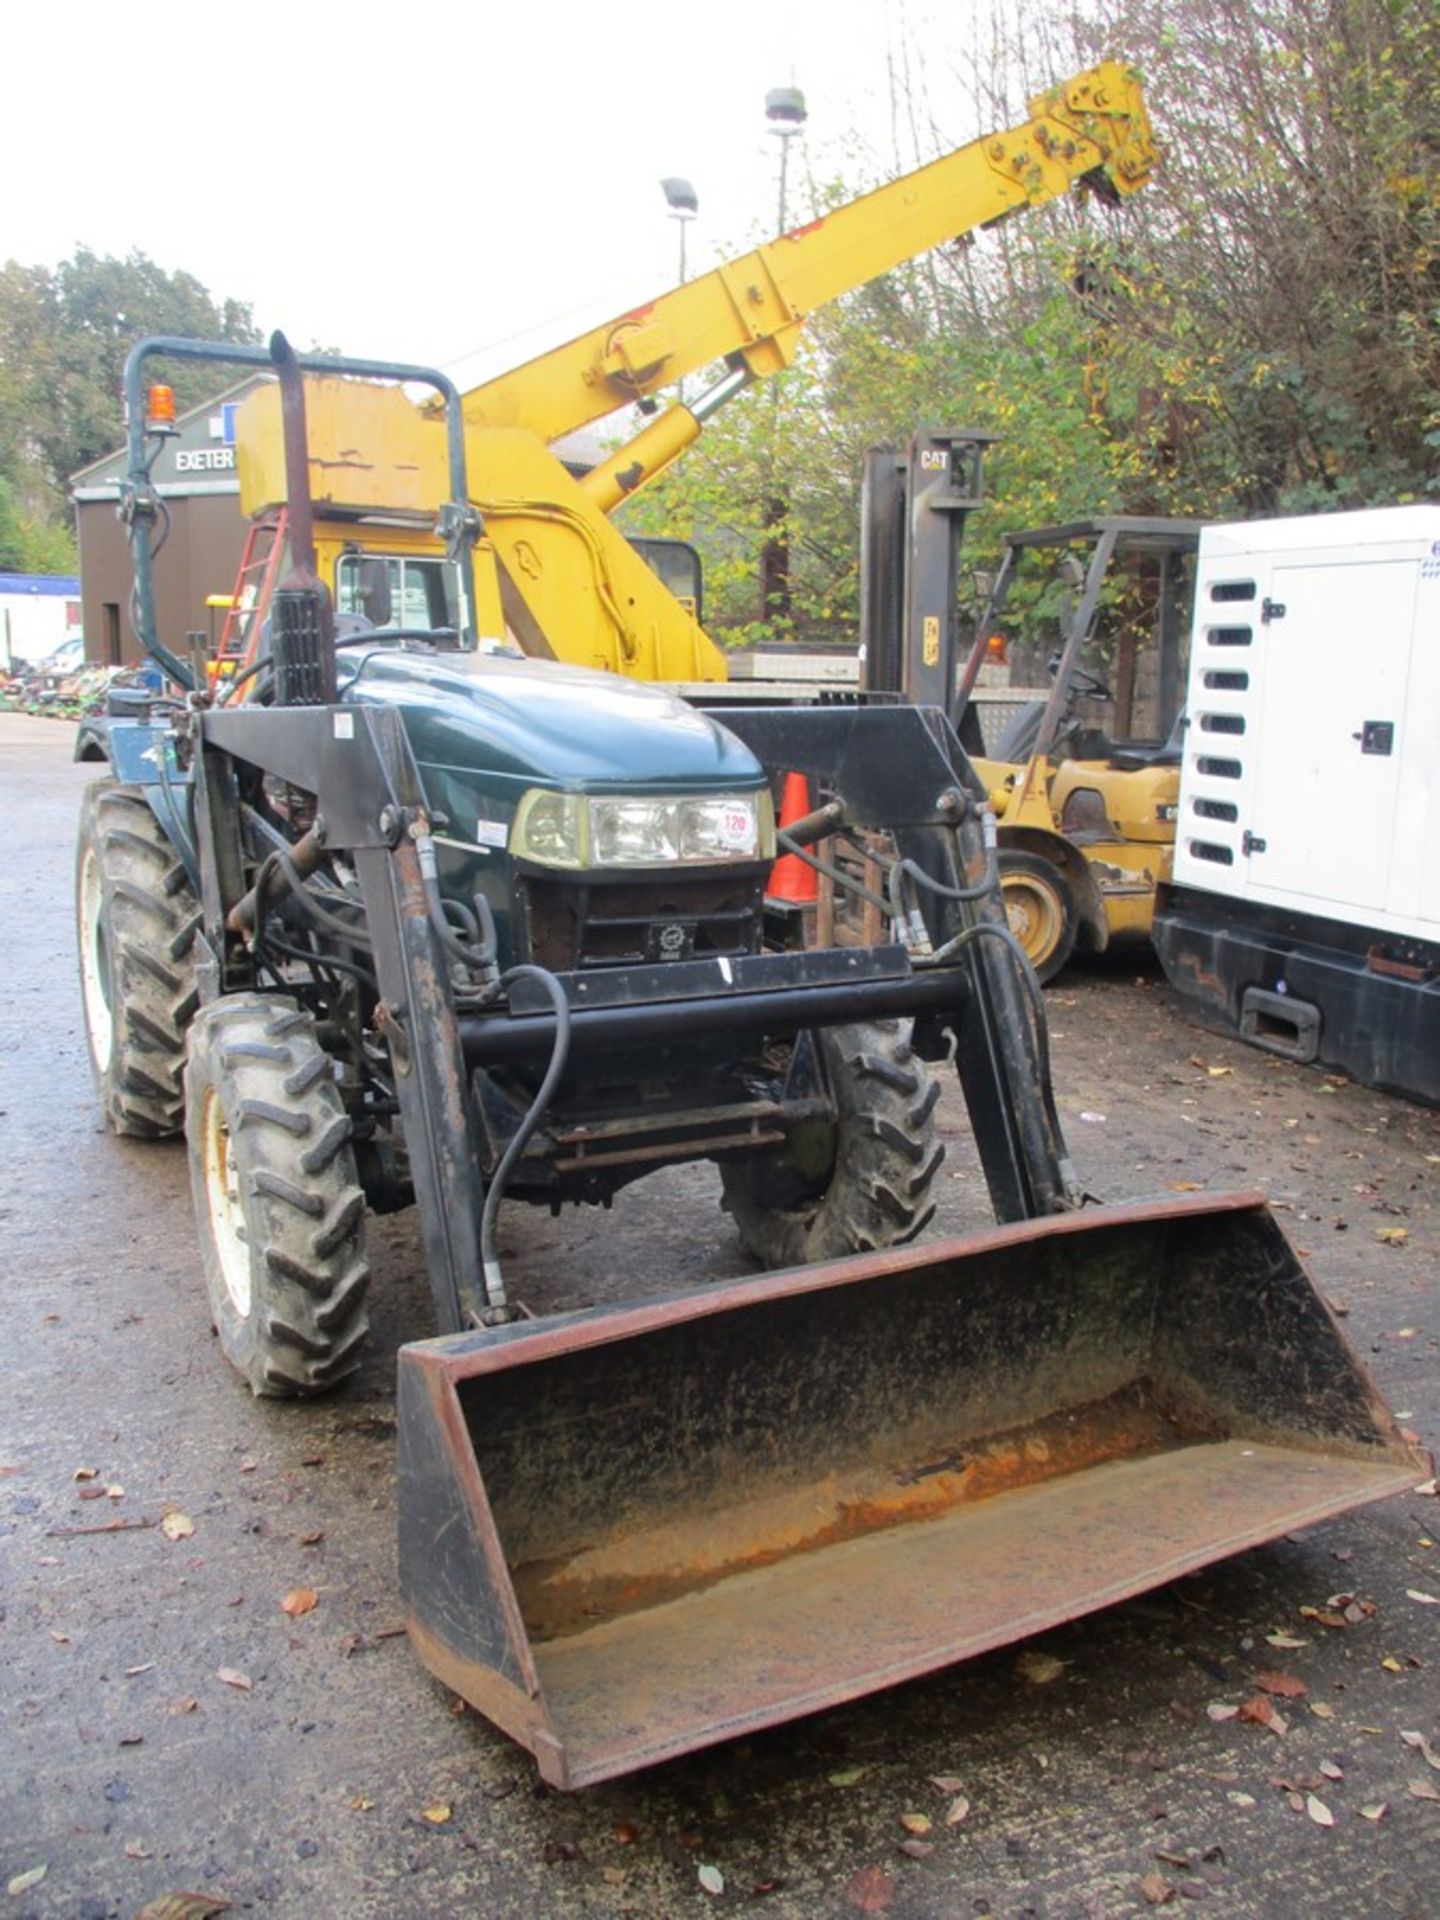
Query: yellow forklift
[[1087, 820]]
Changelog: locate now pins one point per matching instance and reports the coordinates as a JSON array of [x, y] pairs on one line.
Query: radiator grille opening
[[1210, 850], [1216, 810], [1232, 590], [1218, 769], [1229, 636]]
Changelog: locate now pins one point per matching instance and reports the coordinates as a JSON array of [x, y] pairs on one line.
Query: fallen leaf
[[177, 1526], [312, 1539], [947, 1782], [1185, 1186], [148, 1667], [1377, 1811], [60, 1639], [1392, 1236], [131, 1740], [1424, 1748], [1331, 1770], [871, 1890], [183, 1906], [1260, 1713], [957, 1811], [137, 1850], [1321, 1710], [1423, 1790], [626, 1833], [362, 1804], [614, 1876], [1157, 1889], [115, 1491], [1425, 1599], [233, 1677], [1285, 1686], [1391, 1664], [711, 1879], [1241, 1799], [1218, 1710], [85, 1473], [847, 1776], [438, 1814], [916, 1822], [1038, 1668], [32, 1876], [185, 1704], [1318, 1811], [298, 1601], [916, 1849], [1285, 1640]]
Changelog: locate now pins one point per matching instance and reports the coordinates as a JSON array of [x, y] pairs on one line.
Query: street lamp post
[[684, 204], [785, 110], [681, 199]]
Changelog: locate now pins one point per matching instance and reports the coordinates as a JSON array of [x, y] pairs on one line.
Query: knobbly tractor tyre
[[1040, 909], [136, 919], [855, 1184], [280, 1212]]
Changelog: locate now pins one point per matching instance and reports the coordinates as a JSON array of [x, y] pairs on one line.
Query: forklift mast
[[914, 506]]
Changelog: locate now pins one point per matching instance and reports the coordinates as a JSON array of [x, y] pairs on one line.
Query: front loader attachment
[[628, 1534]]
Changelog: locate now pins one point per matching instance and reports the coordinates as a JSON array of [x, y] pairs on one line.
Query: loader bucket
[[625, 1534]]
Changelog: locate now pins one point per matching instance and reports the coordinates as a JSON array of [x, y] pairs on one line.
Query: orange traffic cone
[[791, 880]]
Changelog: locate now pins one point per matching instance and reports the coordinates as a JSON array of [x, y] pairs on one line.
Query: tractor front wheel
[[280, 1212], [136, 917], [860, 1181]]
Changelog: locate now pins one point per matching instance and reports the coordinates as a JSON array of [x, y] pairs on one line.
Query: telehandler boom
[[550, 568]]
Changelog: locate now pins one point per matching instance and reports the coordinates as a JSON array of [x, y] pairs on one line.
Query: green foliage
[[64, 335], [1258, 331], [29, 543]]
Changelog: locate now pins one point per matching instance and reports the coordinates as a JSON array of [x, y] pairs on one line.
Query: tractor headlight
[[623, 830]]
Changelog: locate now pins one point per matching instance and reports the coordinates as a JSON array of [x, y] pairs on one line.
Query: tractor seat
[[1135, 756]]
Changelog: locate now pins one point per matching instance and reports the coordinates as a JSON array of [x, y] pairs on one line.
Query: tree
[[64, 335]]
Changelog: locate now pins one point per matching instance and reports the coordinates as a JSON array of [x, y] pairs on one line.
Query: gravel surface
[[339, 1780]]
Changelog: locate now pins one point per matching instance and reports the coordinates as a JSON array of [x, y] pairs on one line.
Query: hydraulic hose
[[520, 1139]]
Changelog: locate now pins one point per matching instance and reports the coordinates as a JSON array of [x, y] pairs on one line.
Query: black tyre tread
[[304, 1208], [879, 1191], [152, 918]]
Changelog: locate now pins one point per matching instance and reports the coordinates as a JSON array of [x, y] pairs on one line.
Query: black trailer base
[[1316, 991]]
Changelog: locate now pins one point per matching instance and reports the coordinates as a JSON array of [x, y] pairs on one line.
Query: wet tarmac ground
[[167, 1726]]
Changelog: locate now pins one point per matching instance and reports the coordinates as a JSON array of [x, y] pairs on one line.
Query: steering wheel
[[1083, 684]]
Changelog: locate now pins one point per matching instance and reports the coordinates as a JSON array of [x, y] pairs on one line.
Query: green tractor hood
[[521, 723]]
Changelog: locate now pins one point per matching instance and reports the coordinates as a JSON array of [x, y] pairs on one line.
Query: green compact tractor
[[396, 919]]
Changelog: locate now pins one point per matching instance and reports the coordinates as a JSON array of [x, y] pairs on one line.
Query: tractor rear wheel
[[280, 1212], [136, 919], [855, 1183], [1040, 909]]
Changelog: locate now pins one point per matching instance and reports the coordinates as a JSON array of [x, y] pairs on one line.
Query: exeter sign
[[205, 460]]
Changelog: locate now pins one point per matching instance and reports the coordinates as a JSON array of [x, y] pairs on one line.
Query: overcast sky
[[459, 185]]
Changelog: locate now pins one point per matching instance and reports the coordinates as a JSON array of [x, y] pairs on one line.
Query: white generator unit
[[1305, 908]]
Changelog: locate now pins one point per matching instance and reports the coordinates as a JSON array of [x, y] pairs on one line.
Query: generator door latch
[[1271, 610], [1376, 736], [1251, 842]]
